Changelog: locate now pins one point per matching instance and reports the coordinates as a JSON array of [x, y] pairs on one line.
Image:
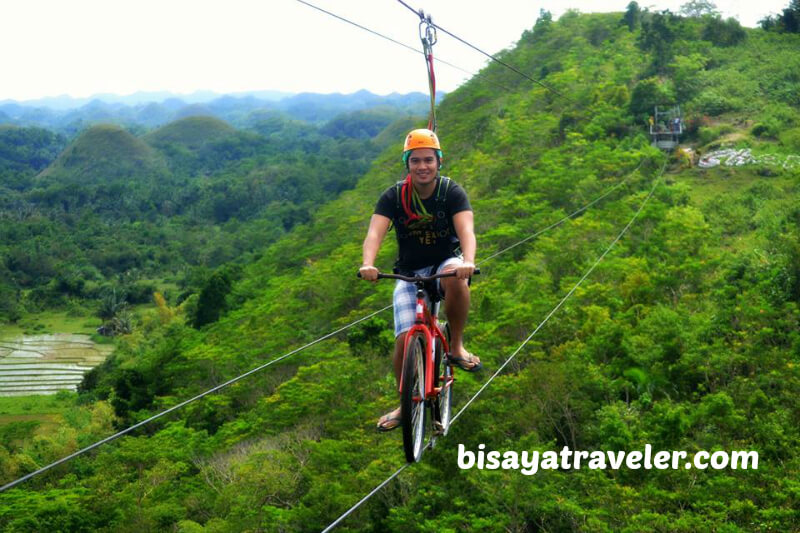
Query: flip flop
[[464, 363], [388, 422]]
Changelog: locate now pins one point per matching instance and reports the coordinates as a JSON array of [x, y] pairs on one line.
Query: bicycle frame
[[427, 323], [431, 386]]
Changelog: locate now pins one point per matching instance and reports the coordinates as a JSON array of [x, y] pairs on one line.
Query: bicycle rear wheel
[[443, 377], [412, 398]]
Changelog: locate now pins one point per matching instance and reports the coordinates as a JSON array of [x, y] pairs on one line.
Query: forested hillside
[[112, 212], [684, 337]]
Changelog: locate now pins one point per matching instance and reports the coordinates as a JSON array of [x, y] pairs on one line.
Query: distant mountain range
[[148, 110], [65, 102]]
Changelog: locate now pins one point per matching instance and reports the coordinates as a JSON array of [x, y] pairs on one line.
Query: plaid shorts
[[405, 297]]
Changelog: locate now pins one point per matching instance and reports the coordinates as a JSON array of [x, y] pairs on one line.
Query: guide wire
[[382, 36], [184, 403], [564, 299], [285, 356], [368, 496], [514, 354], [564, 219], [331, 334], [493, 58]]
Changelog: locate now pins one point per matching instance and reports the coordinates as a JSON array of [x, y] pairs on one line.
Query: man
[[433, 220]]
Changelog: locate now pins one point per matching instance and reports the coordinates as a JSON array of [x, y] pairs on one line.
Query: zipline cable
[[184, 403], [372, 493], [285, 356], [508, 360], [325, 337], [493, 58], [382, 36], [558, 223], [564, 299]]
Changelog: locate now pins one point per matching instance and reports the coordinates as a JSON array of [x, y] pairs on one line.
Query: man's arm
[[463, 224], [378, 226]]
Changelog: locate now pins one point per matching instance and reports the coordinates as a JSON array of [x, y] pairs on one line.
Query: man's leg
[[456, 307], [399, 343], [391, 419], [404, 312]]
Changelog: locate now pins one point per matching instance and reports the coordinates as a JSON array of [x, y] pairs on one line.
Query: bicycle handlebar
[[413, 279]]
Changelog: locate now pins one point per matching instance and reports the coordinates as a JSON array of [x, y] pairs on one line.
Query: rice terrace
[[46, 364]]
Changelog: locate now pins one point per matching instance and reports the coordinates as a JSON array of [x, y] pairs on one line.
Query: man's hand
[[369, 273], [465, 270]]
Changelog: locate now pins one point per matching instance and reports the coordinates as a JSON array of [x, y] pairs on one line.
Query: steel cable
[[559, 222], [382, 36], [331, 334], [184, 403], [285, 356], [508, 360], [493, 58]]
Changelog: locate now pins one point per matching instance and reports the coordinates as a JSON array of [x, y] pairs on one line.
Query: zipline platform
[[666, 127]]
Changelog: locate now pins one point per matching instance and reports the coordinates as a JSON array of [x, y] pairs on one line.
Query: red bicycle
[[427, 378]]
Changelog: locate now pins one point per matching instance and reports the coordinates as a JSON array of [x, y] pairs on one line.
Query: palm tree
[[114, 313]]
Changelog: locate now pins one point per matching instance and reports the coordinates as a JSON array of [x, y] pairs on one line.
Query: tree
[[687, 73], [769, 23], [632, 16], [132, 392], [544, 21], [647, 94], [791, 17], [724, 32], [111, 305], [699, 8], [9, 304], [659, 32], [787, 22], [212, 298]]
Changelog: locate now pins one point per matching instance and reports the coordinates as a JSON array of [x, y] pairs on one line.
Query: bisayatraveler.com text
[[530, 462]]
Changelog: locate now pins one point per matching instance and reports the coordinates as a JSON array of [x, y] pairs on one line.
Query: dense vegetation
[[685, 337], [114, 211]]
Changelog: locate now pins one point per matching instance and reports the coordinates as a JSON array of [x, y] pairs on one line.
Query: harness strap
[[427, 34], [441, 190], [440, 195]]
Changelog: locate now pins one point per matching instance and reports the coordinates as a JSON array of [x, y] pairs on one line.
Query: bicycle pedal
[[438, 428]]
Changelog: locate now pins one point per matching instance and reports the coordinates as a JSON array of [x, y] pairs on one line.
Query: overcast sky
[[86, 47]]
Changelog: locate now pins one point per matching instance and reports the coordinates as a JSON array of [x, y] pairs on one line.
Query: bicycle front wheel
[[412, 398]]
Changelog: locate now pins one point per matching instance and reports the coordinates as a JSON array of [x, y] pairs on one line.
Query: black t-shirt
[[425, 244]]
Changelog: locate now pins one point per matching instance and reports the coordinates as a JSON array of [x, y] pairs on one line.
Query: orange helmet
[[421, 138]]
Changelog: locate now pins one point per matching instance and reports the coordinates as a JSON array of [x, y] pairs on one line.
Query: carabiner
[[428, 34]]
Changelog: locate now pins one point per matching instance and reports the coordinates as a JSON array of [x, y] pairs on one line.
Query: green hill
[[684, 338], [191, 132], [201, 144], [104, 153], [109, 211]]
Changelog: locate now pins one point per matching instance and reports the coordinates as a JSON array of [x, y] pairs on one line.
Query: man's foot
[[389, 421], [467, 362]]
